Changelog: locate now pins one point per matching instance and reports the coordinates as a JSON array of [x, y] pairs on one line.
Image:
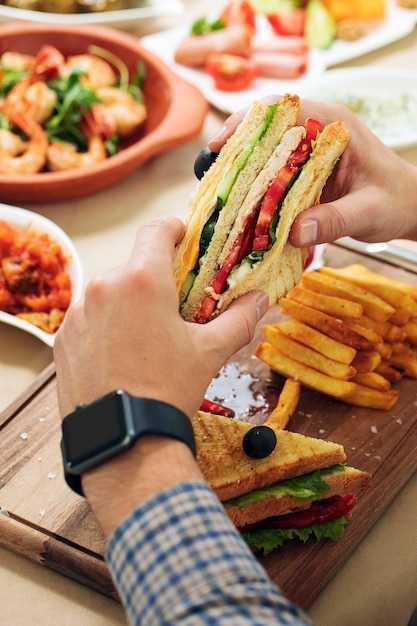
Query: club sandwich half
[[302, 489], [236, 240]]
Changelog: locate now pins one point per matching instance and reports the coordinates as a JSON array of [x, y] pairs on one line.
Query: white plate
[[22, 218], [118, 19], [384, 98], [397, 24]]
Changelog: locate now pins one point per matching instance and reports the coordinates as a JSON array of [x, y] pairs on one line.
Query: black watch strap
[[167, 420], [147, 417]]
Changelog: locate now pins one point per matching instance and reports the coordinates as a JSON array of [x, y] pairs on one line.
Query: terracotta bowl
[[176, 111]]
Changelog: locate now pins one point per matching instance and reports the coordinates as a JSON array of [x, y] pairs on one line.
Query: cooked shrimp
[[119, 113], [40, 100], [10, 143], [16, 96], [64, 156], [99, 72], [31, 96], [17, 61], [33, 158]]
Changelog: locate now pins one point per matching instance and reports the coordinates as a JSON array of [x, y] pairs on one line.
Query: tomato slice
[[321, 511], [239, 12], [209, 406], [241, 248], [325, 510], [288, 22], [278, 188], [48, 62], [313, 129], [270, 202], [230, 72]]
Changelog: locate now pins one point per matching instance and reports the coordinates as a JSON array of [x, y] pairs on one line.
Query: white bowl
[[22, 218]]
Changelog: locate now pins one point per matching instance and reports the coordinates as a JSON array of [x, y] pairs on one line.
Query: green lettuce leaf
[[269, 539], [307, 487]]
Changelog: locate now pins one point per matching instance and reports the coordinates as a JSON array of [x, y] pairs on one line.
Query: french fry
[[388, 331], [331, 305], [368, 333], [400, 348], [384, 350], [308, 376], [351, 335], [406, 362], [401, 316], [389, 372], [393, 291], [373, 306], [336, 329], [307, 356], [411, 330], [366, 361], [286, 405], [318, 341], [372, 379], [372, 398]]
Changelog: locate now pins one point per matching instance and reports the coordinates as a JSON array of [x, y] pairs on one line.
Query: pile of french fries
[[351, 334]]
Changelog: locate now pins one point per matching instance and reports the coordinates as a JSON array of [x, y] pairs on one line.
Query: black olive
[[203, 162], [259, 442]]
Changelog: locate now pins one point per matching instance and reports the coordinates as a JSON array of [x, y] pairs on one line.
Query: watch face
[[93, 430]]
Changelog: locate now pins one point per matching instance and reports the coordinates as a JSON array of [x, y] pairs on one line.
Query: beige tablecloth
[[378, 584]]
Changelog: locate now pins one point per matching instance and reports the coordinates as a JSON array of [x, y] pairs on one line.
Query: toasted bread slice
[[231, 473]]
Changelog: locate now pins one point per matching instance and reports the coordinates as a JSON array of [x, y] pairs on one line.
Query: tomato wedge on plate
[[288, 22], [230, 72], [239, 12]]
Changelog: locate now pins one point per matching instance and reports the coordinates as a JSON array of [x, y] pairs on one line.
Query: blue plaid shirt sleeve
[[177, 559]]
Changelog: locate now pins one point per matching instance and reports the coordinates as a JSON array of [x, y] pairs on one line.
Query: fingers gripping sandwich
[[236, 240], [302, 489]]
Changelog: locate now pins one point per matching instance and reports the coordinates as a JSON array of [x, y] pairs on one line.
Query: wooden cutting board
[[47, 523]]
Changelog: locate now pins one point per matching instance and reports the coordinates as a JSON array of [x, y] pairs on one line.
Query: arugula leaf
[[9, 78], [4, 122], [111, 144], [73, 97], [135, 88], [202, 26]]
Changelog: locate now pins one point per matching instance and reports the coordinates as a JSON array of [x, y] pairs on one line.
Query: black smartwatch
[[96, 432]]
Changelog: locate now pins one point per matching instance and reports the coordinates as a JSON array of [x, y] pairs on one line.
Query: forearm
[[117, 487]]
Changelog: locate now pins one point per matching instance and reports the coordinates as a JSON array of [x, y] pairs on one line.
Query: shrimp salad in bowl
[[82, 107], [62, 113], [41, 273]]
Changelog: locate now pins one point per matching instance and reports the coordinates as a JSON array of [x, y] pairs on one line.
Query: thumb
[[235, 327]]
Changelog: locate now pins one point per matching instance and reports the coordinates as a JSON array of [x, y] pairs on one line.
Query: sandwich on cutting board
[[302, 488], [241, 215]]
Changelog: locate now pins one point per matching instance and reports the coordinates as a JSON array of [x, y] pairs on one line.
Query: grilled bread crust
[[231, 473]]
